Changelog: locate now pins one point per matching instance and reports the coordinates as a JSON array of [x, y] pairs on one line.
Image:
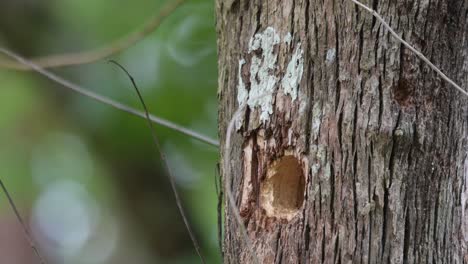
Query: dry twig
[[108, 101], [165, 163], [113, 48], [25, 228]]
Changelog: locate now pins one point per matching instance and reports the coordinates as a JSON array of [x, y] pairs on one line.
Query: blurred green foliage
[[51, 137]]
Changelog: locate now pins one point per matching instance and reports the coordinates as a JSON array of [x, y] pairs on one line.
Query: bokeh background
[[85, 176]]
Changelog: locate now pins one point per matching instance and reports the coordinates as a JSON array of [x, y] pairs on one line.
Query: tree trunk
[[350, 149]]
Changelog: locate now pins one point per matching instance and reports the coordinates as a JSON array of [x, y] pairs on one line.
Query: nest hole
[[282, 191]]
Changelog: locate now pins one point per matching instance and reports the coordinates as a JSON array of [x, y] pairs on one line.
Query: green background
[[87, 177]]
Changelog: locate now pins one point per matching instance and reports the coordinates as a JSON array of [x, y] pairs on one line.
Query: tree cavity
[[282, 191]]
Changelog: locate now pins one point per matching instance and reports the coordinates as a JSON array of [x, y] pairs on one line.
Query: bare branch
[[98, 54], [22, 223], [108, 101], [415, 51], [166, 164]]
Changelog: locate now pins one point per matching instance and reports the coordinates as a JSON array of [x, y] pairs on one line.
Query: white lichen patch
[[288, 38], [399, 132], [293, 76], [331, 55], [263, 78]]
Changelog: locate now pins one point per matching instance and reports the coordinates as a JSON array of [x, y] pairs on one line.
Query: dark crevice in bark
[[316, 39], [320, 199], [356, 12], [293, 13], [416, 237], [369, 171], [255, 177], [426, 21], [354, 135], [278, 250], [258, 18], [369, 246], [362, 243], [336, 251], [384, 71], [306, 17], [412, 149], [323, 244], [355, 202], [360, 48], [452, 213], [389, 254], [240, 21], [384, 219], [361, 95], [337, 68], [376, 47], [247, 116], [381, 101], [398, 23], [436, 215], [340, 128], [305, 219], [310, 76], [393, 151], [402, 63], [416, 14], [307, 237], [370, 222], [407, 235], [332, 191], [374, 6]]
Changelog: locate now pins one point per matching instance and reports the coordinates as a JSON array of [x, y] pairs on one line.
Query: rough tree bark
[[351, 150]]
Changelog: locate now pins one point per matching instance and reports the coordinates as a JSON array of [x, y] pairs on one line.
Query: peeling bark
[[381, 140]]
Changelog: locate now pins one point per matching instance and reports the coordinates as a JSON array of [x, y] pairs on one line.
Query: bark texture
[[360, 153]]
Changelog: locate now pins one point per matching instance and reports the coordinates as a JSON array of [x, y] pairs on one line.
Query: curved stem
[[90, 56]]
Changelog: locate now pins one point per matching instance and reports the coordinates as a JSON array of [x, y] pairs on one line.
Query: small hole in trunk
[[282, 191]]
